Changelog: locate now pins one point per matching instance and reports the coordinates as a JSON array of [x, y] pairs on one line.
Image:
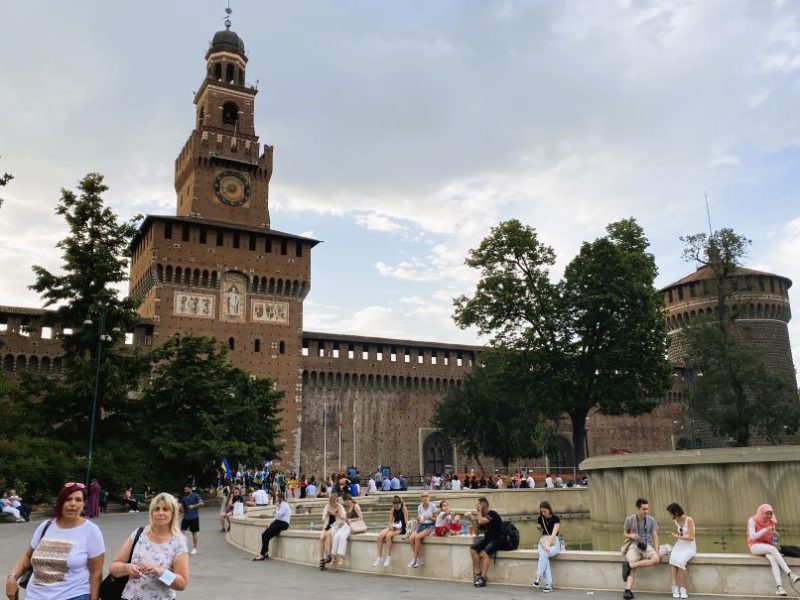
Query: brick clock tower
[[218, 268]]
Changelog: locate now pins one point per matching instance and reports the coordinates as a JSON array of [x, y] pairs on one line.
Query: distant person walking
[[762, 535], [190, 503], [93, 502]]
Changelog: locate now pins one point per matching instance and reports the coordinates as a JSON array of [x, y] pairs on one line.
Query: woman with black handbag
[[157, 563], [65, 558]]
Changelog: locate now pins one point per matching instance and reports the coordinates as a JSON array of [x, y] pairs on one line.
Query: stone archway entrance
[[437, 453]]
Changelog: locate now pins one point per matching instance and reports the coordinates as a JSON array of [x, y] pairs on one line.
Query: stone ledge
[[694, 457], [448, 559]]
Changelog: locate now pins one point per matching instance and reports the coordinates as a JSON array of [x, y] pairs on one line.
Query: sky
[[404, 131]]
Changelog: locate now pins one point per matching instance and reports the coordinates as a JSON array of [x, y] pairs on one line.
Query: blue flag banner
[[225, 467]]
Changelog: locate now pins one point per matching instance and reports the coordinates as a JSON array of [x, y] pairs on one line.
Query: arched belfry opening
[[230, 113]]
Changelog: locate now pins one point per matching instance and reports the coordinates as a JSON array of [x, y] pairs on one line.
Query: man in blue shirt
[[189, 504], [395, 483], [387, 484]]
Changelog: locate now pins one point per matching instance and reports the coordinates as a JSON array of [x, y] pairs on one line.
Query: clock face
[[232, 188]]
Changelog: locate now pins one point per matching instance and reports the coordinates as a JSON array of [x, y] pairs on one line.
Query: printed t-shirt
[[60, 560]]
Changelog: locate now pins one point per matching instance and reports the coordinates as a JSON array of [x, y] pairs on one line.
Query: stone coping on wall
[[448, 559], [694, 457]]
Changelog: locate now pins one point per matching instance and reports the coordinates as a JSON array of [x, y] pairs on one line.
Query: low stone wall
[[448, 559]]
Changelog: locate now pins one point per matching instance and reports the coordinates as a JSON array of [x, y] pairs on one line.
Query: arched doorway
[[437, 452], [560, 452]]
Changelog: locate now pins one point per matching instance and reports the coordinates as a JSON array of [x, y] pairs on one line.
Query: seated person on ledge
[[641, 539]]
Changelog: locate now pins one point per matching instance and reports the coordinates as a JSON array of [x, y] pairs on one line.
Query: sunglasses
[[76, 484]]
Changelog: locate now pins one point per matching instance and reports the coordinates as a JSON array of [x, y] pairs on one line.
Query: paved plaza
[[222, 571]]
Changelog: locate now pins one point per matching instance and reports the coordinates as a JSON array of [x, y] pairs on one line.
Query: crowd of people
[[67, 551]]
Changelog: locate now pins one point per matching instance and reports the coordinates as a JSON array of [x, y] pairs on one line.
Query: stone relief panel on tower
[[265, 311], [233, 298], [189, 304]]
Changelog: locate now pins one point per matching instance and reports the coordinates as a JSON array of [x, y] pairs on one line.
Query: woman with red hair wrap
[[761, 535]]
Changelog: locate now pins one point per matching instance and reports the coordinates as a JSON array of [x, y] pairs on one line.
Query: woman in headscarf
[[762, 537]]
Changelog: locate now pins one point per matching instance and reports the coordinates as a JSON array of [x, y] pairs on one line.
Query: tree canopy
[[594, 339]]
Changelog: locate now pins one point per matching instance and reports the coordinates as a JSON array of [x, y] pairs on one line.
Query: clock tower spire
[[222, 174]]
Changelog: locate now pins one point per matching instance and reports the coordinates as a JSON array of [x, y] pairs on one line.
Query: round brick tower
[[761, 301]]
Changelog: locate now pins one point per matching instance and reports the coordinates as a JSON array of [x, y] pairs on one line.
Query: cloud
[[376, 222]]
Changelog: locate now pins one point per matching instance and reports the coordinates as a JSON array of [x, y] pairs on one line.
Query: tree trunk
[[578, 435]]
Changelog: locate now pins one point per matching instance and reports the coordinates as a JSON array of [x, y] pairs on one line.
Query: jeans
[[543, 567]]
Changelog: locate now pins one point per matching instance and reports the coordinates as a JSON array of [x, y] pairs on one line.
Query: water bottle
[[463, 528], [775, 537]]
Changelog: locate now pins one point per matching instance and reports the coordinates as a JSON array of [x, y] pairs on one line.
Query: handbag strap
[[135, 541], [46, 526]]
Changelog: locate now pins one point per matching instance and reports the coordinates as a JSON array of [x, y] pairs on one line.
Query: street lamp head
[[88, 322], [116, 330]]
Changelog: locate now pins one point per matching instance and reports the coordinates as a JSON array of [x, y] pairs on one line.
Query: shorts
[[634, 554], [484, 545], [192, 525], [425, 527]]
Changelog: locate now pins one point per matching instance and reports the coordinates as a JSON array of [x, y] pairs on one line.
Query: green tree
[[494, 411], [83, 294], [738, 393], [199, 408], [595, 339]]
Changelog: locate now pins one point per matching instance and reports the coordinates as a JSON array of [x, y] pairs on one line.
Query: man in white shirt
[[283, 514], [559, 481], [455, 483], [372, 487], [258, 498], [548, 482], [530, 481]]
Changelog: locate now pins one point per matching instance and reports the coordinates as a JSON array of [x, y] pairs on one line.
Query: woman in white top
[[160, 561], [66, 553], [426, 521], [683, 551], [333, 516]]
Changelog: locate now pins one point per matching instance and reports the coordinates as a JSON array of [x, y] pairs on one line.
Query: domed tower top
[[226, 40]]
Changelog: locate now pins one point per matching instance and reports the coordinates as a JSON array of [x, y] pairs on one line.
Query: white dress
[[683, 551]]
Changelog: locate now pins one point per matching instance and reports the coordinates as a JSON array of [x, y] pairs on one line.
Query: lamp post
[[689, 379], [102, 336]]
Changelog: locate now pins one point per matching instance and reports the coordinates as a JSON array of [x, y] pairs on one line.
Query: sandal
[[322, 564]]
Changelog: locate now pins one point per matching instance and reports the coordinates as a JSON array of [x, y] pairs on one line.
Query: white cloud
[[376, 222]]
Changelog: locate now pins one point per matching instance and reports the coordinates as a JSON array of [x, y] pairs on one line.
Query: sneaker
[[547, 588], [328, 559], [480, 581], [684, 593], [418, 563], [536, 581], [626, 571], [378, 561], [627, 594], [779, 591], [194, 551], [475, 577], [412, 563], [322, 564], [794, 577], [675, 592], [387, 561]]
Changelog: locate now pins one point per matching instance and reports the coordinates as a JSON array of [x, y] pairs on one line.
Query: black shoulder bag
[[112, 587], [25, 578]]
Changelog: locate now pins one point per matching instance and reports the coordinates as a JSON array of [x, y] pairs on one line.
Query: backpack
[[509, 536], [788, 550]]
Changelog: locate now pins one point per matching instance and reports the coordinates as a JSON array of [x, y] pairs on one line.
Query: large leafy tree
[[495, 411], [594, 339], [83, 296], [738, 393], [200, 408]]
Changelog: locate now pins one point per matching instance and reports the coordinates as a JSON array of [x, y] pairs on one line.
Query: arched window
[[218, 71], [231, 343], [202, 119], [229, 77], [257, 346], [230, 113]]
